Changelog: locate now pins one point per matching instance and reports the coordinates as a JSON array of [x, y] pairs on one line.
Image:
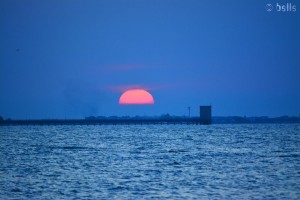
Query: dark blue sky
[[74, 58]]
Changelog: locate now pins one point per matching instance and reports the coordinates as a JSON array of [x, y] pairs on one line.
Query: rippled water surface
[[150, 161]]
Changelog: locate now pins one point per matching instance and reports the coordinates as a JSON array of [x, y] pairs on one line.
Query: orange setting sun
[[136, 96]]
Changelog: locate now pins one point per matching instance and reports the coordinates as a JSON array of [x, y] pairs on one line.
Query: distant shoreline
[[153, 120], [101, 122]]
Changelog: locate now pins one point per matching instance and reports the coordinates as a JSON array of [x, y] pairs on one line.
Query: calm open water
[[260, 161]]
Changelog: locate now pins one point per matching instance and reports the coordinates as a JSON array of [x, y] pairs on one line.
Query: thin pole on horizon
[[189, 109]]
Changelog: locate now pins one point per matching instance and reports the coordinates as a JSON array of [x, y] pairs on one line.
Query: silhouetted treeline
[[215, 120], [263, 119], [163, 116]]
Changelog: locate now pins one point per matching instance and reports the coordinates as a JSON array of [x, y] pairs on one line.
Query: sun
[[136, 96]]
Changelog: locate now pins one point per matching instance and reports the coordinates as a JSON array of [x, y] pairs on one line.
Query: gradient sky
[[71, 58]]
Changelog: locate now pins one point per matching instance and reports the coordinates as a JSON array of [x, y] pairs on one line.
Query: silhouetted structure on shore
[[205, 114]]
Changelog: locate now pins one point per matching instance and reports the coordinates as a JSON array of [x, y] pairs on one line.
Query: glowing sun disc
[[136, 96]]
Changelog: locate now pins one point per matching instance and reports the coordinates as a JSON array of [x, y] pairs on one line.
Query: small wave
[[175, 163], [15, 190], [70, 148], [177, 150], [289, 155]]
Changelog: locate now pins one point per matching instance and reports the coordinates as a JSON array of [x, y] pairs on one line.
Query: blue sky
[[74, 58]]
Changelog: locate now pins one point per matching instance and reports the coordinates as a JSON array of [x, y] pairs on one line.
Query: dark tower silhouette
[[205, 114]]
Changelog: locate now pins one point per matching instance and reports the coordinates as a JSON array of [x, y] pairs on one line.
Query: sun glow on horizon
[[136, 96]]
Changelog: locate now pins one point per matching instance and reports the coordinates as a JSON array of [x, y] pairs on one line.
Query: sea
[[226, 161]]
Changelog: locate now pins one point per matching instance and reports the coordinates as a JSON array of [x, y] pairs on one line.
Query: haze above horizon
[[76, 58]]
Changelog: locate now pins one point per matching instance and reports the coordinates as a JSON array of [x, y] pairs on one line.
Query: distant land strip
[[150, 120], [101, 122]]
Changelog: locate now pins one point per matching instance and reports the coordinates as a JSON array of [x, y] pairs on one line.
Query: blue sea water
[[258, 161]]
